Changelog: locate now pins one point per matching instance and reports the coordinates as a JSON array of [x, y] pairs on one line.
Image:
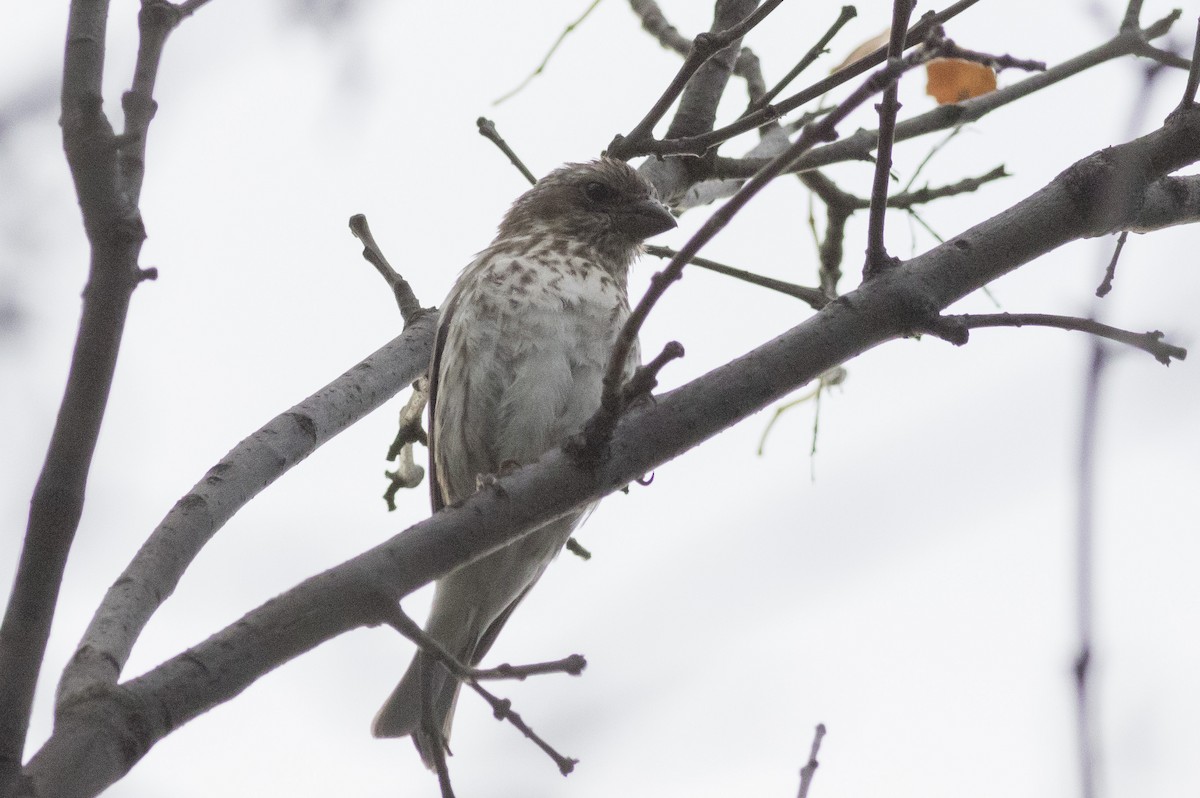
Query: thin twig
[[395, 617], [704, 47], [502, 710], [1193, 79], [577, 548], [1133, 16], [567, 31], [922, 196], [889, 107], [933, 151], [406, 300], [190, 7], [1089, 424], [572, 666], [847, 13], [487, 129], [1111, 272], [813, 296], [1150, 342], [810, 768], [655, 23], [645, 378]]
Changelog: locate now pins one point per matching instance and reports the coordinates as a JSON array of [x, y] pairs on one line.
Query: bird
[[519, 356]]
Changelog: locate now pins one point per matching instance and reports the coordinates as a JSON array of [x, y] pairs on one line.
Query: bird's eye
[[599, 193]]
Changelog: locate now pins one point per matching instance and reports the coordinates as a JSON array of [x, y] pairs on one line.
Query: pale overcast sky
[[916, 597]]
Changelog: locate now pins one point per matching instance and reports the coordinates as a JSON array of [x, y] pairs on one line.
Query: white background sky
[[917, 597]]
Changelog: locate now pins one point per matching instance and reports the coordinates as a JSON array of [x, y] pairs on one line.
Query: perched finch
[[522, 346]]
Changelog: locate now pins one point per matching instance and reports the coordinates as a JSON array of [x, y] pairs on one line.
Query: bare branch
[[394, 616], [889, 107], [1133, 16], [1193, 81], [813, 296], [810, 768], [406, 300], [487, 129], [252, 465], [645, 379], [1084, 562], [694, 111], [656, 24], [1151, 342], [107, 171], [567, 31], [1110, 273], [847, 13], [98, 737]]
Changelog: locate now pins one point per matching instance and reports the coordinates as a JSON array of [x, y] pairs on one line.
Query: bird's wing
[[436, 497]]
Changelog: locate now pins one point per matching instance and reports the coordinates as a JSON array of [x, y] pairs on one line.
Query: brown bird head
[[603, 204]]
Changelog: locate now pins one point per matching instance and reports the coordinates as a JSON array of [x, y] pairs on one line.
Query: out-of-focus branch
[[1084, 563], [541, 67], [810, 768]]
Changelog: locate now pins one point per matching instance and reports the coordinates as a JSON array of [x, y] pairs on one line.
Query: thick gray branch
[[249, 467]]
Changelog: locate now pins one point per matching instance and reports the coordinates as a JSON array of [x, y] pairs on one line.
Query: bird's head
[[604, 204]]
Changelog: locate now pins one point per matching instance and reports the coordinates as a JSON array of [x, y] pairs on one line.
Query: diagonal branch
[[816, 51], [251, 466]]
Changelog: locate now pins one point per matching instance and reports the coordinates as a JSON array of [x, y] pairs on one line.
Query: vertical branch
[[888, 107], [1083, 566], [108, 200], [1193, 80]]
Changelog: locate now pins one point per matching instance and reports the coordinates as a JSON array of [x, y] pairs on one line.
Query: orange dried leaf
[[952, 80]]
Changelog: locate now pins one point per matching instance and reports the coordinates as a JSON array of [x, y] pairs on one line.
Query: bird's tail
[[403, 713]]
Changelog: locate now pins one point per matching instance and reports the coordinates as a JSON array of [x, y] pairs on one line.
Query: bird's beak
[[643, 219]]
